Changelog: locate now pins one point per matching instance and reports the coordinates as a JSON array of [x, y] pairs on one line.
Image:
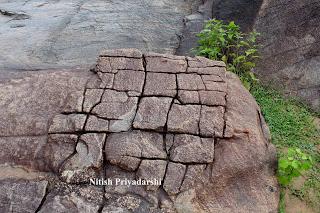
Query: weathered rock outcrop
[[68, 33], [184, 123], [290, 41], [61, 34]]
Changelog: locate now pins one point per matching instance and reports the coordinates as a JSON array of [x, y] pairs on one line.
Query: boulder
[[198, 145], [290, 41]]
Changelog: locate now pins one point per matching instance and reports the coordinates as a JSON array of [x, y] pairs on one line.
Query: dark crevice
[[67, 159], [166, 57], [84, 99], [14, 15], [170, 132], [43, 200], [104, 166], [199, 104], [143, 88], [183, 178], [179, 39], [171, 147], [207, 90], [74, 113], [78, 139], [164, 138], [225, 115], [200, 116], [119, 56], [165, 173], [158, 96], [262, 129], [117, 69], [166, 159], [7, 13], [139, 164], [81, 132], [185, 72]]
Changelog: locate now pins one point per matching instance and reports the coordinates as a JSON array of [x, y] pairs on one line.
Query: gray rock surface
[[14, 195], [290, 41], [171, 152], [68, 33]]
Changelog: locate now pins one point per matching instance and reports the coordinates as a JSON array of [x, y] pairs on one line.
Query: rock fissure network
[[182, 120]]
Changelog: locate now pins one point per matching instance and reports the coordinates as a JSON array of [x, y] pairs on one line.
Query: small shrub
[[225, 42], [292, 164]]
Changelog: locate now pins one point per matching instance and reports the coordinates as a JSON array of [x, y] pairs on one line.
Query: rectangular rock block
[[161, 63]]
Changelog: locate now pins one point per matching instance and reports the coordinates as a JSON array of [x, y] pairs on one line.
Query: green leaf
[[283, 180], [295, 164], [246, 84], [306, 166], [283, 163], [224, 59]]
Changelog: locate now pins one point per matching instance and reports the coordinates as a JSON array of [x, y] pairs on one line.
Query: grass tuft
[[291, 125]]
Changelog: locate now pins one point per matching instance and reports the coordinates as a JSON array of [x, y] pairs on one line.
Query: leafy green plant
[[292, 165], [225, 42]]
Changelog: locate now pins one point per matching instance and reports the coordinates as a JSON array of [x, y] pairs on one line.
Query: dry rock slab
[[21, 195], [152, 113], [184, 119], [160, 84], [198, 132]]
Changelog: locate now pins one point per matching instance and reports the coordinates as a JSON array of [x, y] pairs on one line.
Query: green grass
[[291, 125]]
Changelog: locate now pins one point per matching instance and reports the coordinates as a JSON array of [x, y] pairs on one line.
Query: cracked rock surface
[[184, 122]]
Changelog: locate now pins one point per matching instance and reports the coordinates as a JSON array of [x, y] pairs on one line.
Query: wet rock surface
[[199, 137]]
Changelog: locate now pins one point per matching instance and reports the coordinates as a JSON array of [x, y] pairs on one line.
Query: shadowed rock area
[[290, 42], [183, 121]]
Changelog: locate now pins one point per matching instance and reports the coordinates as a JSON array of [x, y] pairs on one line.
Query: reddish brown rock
[[188, 97], [128, 53], [192, 149], [174, 178], [165, 63], [28, 151], [114, 64], [184, 119], [106, 80], [128, 80], [201, 135], [211, 121], [150, 170], [127, 149], [202, 62], [214, 78], [86, 161], [152, 113], [91, 98], [21, 195], [58, 148], [160, 84], [212, 98], [190, 82], [67, 123], [97, 124]]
